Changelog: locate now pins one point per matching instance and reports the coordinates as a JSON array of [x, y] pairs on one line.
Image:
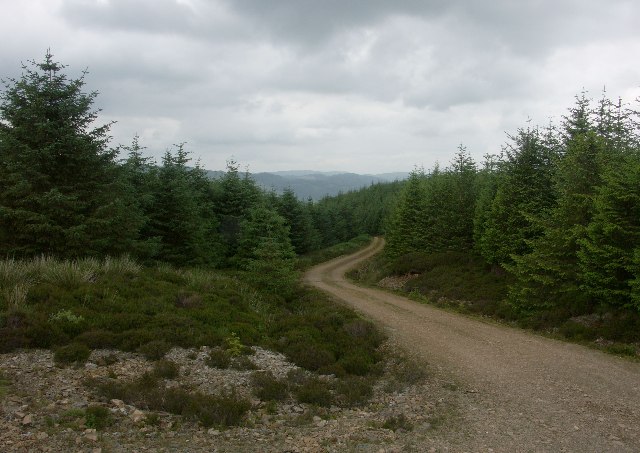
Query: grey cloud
[[157, 16], [312, 22], [329, 81]]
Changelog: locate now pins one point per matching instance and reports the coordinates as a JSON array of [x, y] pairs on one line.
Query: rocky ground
[[42, 406]]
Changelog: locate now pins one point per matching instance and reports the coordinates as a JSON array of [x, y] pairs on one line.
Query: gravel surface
[[518, 392], [38, 401]]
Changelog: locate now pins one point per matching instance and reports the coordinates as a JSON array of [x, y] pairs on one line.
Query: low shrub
[[622, 349], [71, 353], [268, 388], [398, 422], [154, 350], [315, 391], [577, 332], [98, 339], [188, 300], [166, 369], [358, 363], [97, 417], [243, 363], [353, 391], [218, 358], [208, 410], [310, 357]]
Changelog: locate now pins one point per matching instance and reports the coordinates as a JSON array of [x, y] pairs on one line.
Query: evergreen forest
[[545, 232], [103, 248]]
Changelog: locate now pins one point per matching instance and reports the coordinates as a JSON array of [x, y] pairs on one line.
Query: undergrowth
[[465, 283], [73, 307], [150, 393]]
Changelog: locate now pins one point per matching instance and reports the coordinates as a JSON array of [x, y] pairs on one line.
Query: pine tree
[[608, 256], [457, 233], [405, 232], [182, 215], [524, 191], [60, 188], [234, 196], [298, 218], [260, 225], [548, 276], [487, 185]]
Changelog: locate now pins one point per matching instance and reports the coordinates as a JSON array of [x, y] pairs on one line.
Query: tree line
[[558, 208], [64, 191]]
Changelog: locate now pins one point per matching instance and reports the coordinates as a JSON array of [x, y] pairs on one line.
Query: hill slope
[[315, 185]]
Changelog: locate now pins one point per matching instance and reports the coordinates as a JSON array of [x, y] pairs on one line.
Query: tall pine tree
[[60, 188]]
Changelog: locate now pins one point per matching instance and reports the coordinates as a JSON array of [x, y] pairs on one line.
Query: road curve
[[520, 391]]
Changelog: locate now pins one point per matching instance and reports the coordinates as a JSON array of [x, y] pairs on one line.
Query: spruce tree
[[524, 192], [60, 188], [405, 232], [298, 218], [609, 254], [182, 215]]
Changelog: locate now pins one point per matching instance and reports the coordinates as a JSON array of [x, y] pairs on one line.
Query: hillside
[[314, 184]]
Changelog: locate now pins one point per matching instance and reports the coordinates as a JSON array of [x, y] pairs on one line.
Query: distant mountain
[[315, 184]]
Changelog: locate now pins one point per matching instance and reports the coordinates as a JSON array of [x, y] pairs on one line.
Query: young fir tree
[[457, 233], [60, 190], [264, 241], [140, 174], [182, 216], [550, 277], [406, 232], [609, 254], [487, 185], [234, 196], [298, 218], [524, 191]]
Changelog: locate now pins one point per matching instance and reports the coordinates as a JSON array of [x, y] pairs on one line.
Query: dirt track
[[518, 391]]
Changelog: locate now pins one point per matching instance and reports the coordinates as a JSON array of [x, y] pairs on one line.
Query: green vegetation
[[97, 417], [546, 234], [166, 369], [4, 386], [326, 254], [148, 392], [71, 353], [268, 388], [397, 423]]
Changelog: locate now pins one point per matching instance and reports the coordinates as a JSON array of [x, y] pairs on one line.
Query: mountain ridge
[[316, 184]]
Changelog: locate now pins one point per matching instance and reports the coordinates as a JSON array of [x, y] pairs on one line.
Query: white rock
[[117, 403], [137, 416], [93, 437]]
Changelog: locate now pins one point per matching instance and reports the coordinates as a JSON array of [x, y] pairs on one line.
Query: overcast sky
[[368, 86]]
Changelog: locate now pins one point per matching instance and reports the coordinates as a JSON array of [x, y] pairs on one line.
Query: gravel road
[[519, 392]]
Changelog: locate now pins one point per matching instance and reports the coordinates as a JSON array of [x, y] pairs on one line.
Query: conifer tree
[[182, 216], [609, 253], [406, 229], [457, 231], [260, 225], [60, 190], [548, 275], [234, 196], [298, 218], [524, 191]]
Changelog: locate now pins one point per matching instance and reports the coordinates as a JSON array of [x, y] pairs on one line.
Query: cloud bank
[[365, 85]]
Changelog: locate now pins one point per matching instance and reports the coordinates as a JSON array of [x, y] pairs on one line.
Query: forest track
[[518, 392]]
